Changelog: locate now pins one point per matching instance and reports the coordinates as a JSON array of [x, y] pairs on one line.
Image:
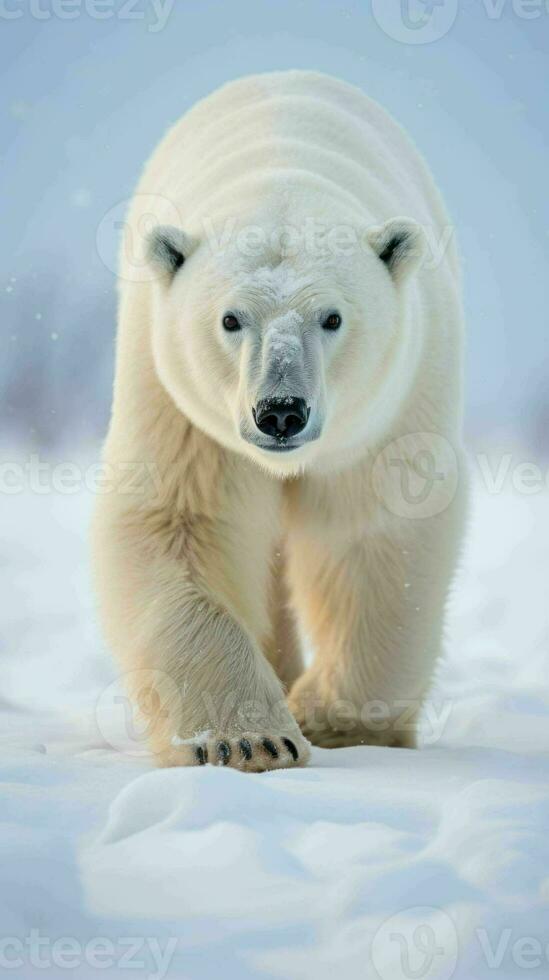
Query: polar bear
[[288, 401]]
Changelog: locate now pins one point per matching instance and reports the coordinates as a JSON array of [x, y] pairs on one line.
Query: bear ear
[[167, 249], [400, 244]]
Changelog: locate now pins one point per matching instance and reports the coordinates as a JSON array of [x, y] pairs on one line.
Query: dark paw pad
[[201, 754]]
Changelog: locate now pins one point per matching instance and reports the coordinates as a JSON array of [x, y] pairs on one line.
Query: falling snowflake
[[81, 198]]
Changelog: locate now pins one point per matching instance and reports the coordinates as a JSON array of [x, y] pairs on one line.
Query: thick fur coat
[[288, 392]]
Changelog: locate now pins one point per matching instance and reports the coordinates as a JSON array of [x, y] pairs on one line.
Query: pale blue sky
[[84, 101]]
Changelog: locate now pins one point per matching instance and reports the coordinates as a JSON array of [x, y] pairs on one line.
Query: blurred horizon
[[85, 100]]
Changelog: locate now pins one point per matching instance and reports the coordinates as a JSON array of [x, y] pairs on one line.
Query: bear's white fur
[[280, 201]]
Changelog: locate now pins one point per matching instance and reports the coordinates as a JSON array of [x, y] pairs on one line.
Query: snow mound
[[373, 862]]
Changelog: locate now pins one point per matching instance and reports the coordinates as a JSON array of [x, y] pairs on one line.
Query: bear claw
[[291, 748], [270, 747], [252, 752], [223, 753], [246, 748]]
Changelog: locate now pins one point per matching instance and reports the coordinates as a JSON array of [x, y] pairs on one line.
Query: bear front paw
[[250, 752]]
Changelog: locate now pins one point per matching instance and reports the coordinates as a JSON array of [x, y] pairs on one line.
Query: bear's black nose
[[281, 417]]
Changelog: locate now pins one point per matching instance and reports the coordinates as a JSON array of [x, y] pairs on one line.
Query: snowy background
[[379, 863]]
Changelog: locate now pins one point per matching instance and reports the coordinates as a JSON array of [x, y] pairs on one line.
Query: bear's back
[[264, 131]]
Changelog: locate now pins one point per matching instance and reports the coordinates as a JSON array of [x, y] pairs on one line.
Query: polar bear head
[[285, 355]]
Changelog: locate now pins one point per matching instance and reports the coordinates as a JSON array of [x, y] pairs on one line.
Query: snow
[[370, 863]]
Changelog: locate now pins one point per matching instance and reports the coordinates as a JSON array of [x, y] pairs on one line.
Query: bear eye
[[230, 322], [332, 322]]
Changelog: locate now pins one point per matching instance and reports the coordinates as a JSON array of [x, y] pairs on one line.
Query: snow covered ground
[[370, 863]]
